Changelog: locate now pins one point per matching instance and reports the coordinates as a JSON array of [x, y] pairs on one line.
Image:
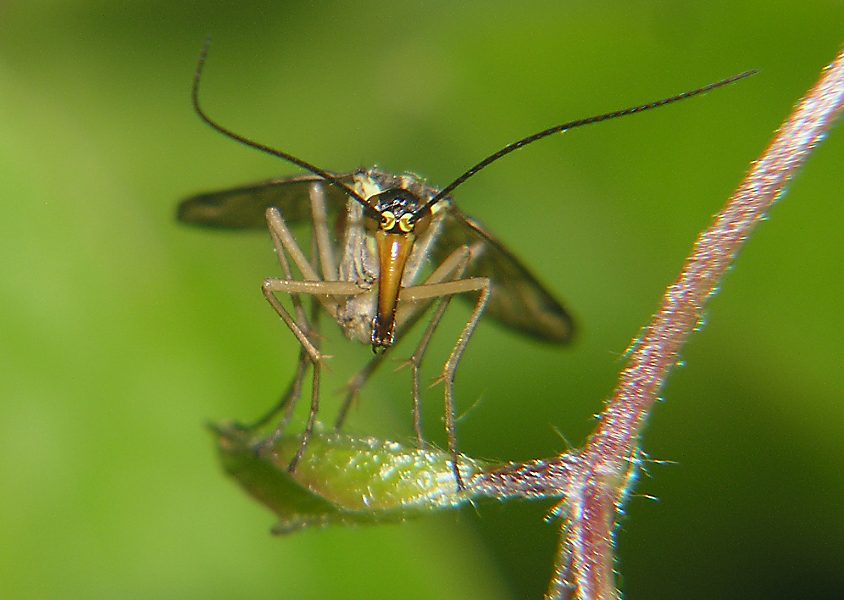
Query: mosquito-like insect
[[372, 233]]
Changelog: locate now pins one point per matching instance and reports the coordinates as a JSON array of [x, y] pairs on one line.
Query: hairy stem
[[611, 450]]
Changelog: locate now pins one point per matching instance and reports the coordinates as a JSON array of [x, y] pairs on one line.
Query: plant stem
[[593, 481], [611, 450]]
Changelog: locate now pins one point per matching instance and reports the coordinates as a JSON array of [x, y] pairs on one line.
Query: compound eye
[[388, 220], [406, 222]]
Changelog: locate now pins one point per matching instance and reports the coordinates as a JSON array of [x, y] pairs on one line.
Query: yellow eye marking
[[388, 220], [405, 224]]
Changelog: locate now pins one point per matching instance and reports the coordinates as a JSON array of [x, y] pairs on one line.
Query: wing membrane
[[244, 207], [518, 299]]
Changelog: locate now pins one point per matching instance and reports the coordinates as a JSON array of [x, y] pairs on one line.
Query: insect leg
[[323, 291], [416, 365], [355, 384], [450, 288], [288, 399], [451, 268], [294, 390], [309, 427], [327, 260], [408, 313], [317, 289]]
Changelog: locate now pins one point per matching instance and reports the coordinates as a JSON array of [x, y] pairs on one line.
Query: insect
[[372, 234]]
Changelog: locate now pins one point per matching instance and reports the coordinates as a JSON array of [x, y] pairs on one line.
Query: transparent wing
[[244, 207], [518, 300]]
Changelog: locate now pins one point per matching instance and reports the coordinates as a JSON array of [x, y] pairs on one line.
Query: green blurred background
[[121, 332]]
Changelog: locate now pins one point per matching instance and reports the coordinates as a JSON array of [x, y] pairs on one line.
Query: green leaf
[[342, 480]]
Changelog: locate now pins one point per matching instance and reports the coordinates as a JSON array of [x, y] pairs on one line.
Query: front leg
[[317, 288], [446, 290], [451, 269]]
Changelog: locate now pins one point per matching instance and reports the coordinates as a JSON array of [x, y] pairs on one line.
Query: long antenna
[[328, 177], [571, 125]]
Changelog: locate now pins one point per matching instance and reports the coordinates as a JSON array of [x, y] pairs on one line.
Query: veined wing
[[517, 300], [244, 207]]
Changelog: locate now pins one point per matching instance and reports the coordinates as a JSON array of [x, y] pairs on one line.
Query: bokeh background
[[122, 333]]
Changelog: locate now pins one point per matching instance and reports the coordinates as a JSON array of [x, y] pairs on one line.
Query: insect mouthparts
[[381, 340]]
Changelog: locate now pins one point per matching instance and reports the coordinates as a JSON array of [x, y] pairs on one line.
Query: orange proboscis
[[393, 251]]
